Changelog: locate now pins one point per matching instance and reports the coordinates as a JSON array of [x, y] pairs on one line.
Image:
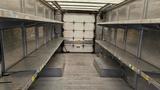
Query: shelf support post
[[2, 63]]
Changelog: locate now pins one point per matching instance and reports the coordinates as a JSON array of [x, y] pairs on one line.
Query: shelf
[[107, 68], [152, 78], [127, 58], [38, 59], [127, 22], [17, 81], [8, 14], [139, 66], [55, 67], [23, 74]]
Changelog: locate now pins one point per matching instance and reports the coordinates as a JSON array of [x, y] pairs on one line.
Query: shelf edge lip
[[141, 21], [150, 80], [9, 14]]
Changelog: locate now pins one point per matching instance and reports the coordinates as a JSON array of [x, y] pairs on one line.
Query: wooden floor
[[79, 74]]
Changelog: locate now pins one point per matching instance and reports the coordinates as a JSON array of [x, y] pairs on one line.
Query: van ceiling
[[83, 5]]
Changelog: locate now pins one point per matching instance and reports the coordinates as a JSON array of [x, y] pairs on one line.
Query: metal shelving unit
[[43, 16], [8, 14], [131, 12], [134, 63], [23, 74], [38, 59], [141, 16], [35, 10]]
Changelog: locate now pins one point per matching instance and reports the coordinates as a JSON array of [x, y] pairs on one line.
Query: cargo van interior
[[79, 44]]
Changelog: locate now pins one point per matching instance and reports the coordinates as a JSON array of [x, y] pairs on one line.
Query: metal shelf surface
[[139, 66], [8, 14], [17, 81], [38, 59], [55, 67], [127, 22], [107, 68], [106, 64], [23, 74], [127, 58], [152, 78]]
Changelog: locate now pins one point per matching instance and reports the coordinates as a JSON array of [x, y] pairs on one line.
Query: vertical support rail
[[83, 35], [62, 19], [140, 43], [145, 9], [102, 37], [139, 54], [94, 42], [115, 36], [52, 31], [144, 16], [37, 37], [142, 30], [22, 6], [45, 32], [125, 38], [2, 63], [24, 39], [62, 16]]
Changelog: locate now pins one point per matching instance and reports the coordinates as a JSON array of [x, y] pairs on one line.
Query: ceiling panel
[[52, 5], [90, 1], [80, 4], [87, 5], [80, 7]]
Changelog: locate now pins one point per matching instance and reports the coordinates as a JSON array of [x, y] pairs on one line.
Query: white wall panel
[[78, 18], [68, 18], [88, 34], [78, 39], [89, 18], [30, 6], [78, 34], [78, 26], [89, 26], [68, 26], [68, 34], [14, 5]]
